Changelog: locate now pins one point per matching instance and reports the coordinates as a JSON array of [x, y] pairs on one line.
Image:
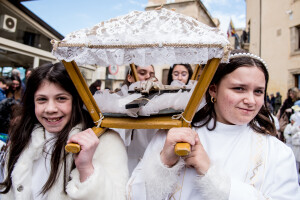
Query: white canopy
[[144, 38]]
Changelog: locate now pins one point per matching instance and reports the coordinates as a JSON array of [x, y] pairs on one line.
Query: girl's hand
[[175, 135], [88, 142], [198, 158]]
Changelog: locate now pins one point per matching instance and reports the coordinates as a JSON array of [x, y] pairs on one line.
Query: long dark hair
[[263, 122], [20, 134], [187, 66], [18, 93], [94, 85]]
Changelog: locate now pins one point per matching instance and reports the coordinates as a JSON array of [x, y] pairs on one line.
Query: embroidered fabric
[[150, 37]]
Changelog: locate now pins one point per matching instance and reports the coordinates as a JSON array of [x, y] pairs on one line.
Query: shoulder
[[110, 142], [278, 149]]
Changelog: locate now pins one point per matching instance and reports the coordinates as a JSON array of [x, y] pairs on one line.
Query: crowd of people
[[236, 149]]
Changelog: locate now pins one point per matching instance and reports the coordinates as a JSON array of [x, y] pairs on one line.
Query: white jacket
[[107, 182]]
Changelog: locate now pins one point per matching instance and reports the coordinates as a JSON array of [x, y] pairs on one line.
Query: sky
[[66, 16]]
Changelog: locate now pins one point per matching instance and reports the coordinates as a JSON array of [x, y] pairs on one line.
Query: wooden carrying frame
[[152, 122]]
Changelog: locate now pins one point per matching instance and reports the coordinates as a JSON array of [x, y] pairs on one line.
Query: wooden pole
[[87, 99], [183, 149], [196, 72], [134, 72]]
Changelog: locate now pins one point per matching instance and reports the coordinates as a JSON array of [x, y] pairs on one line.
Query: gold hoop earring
[[213, 100]]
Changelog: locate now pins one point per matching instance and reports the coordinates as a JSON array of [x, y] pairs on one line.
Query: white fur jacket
[[107, 182]]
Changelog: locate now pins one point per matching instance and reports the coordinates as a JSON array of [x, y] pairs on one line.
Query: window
[[295, 39]]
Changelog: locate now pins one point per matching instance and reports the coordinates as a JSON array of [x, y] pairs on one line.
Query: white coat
[[107, 182]]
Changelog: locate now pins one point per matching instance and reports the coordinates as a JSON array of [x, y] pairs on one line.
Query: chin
[[53, 129]]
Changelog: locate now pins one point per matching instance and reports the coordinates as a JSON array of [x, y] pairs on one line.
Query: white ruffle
[[214, 185], [129, 38]]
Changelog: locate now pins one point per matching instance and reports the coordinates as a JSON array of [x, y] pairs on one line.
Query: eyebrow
[[65, 93]]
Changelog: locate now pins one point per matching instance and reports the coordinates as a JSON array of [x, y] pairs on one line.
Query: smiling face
[[239, 95], [53, 106], [15, 84]]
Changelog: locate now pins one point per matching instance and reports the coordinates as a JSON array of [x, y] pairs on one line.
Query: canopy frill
[[144, 38]]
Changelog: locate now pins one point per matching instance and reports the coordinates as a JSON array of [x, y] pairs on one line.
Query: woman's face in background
[[180, 73], [15, 84]]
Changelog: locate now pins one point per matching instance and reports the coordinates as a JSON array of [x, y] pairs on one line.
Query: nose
[[147, 76], [179, 77], [249, 99], [51, 107]]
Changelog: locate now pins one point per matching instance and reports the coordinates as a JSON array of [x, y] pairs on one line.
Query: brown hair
[[263, 122]]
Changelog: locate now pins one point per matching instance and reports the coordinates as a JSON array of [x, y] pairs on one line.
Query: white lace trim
[[144, 38]]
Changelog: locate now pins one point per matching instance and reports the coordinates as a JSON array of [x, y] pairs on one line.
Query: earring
[[213, 100]]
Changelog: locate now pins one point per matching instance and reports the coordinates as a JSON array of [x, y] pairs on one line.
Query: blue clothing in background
[[4, 137], [2, 94]]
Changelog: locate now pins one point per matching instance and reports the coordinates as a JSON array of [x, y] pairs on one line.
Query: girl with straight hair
[[37, 165]]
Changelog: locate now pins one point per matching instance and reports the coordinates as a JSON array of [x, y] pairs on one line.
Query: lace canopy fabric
[[150, 37]]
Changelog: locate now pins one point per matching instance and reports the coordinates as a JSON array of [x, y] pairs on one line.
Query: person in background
[[2, 88], [289, 131], [144, 74], [277, 102], [16, 72], [234, 152], [15, 90], [137, 140], [37, 165], [292, 97], [180, 72], [28, 72], [272, 100], [95, 86]]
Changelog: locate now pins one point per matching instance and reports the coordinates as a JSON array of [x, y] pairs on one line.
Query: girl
[[95, 86], [144, 73], [136, 140], [234, 152], [37, 165], [180, 72], [15, 90]]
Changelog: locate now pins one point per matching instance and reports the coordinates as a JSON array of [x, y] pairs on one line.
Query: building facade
[[274, 34], [25, 41]]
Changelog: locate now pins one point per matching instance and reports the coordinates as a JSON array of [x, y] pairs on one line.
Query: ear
[[130, 78], [212, 89]]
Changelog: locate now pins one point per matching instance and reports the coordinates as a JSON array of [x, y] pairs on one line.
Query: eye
[[175, 73], [238, 88], [184, 74], [142, 72], [40, 99], [259, 91], [62, 98]]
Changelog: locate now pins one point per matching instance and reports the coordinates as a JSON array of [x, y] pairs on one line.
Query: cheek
[[38, 111], [67, 109], [260, 102]]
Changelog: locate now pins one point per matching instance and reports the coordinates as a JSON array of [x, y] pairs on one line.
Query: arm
[[110, 174], [151, 179], [156, 176], [280, 179]]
